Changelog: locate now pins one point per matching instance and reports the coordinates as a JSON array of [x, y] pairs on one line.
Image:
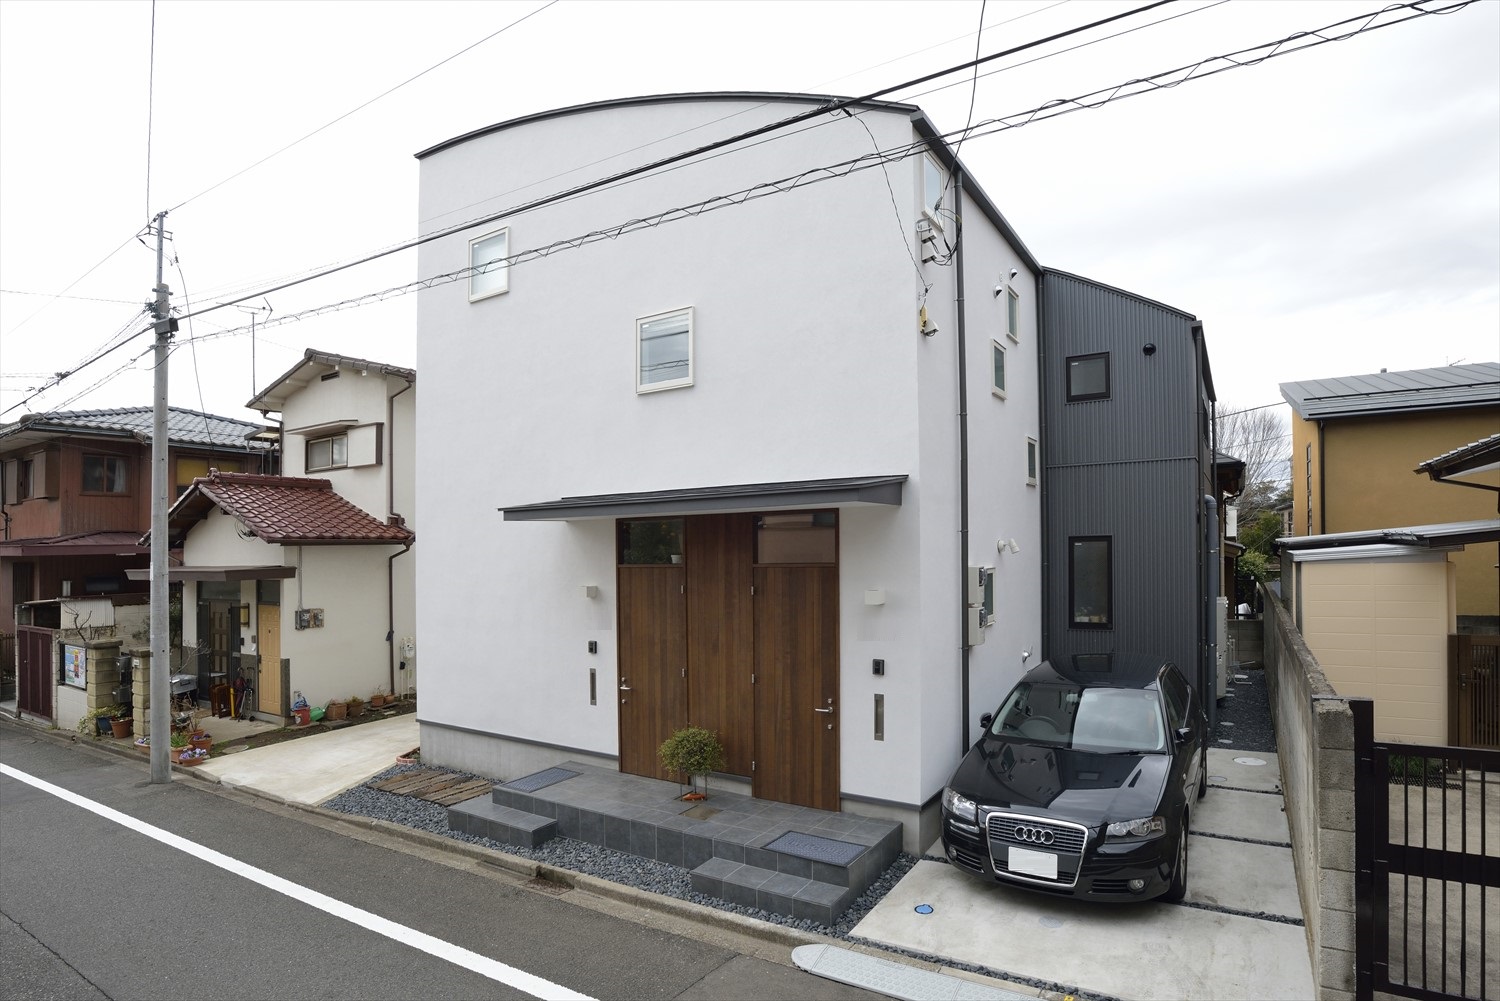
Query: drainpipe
[[1210, 611], [1322, 494], [963, 465], [390, 564], [4, 514], [1041, 440]]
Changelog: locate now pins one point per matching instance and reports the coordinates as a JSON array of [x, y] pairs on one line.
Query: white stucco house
[[304, 582], [770, 468]]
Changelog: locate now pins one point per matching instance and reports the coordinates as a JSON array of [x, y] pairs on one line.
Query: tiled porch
[[786, 859]]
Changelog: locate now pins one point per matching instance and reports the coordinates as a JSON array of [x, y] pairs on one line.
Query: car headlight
[[1145, 827], [960, 806]]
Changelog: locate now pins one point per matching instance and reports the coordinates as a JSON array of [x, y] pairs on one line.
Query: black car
[[1084, 780]]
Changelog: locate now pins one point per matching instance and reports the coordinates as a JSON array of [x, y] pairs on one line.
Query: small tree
[[693, 751]]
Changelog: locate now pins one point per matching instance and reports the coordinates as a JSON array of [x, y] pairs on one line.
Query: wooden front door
[[720, 631], [652, 663], [796, 685], [269, 696]]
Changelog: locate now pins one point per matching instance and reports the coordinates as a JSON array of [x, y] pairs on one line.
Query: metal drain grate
[[810, 846], [540, 780]]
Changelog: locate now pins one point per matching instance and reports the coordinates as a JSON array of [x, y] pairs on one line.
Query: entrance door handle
[[828, 710], [625, 688]]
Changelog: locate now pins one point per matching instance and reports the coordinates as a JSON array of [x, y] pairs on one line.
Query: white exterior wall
[[350, 397], [808, 365]]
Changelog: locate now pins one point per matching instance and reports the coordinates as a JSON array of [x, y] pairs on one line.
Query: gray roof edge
[[1477, 385], [312, 356], [855, 489], [1448, 533], [640, 101]]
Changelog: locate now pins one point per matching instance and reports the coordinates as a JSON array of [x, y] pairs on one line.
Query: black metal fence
[[1427, 861]]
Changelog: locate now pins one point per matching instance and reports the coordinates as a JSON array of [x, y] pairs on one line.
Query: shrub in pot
[[694, 752]]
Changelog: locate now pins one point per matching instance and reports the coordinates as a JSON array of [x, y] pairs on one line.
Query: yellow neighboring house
[[1358, 447]]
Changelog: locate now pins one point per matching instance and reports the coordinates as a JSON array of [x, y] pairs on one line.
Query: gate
[[1474, 691], [36, 679], [1427, 867]]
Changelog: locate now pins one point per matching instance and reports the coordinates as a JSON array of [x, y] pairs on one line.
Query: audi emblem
[[1033, 835]]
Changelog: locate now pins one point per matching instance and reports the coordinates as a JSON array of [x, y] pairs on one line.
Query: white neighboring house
[[732, 470], [309, 574]]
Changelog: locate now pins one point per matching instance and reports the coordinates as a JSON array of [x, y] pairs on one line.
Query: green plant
[[88, 723], [354, 700], [1415, 769], [692, 751], [179, 739]]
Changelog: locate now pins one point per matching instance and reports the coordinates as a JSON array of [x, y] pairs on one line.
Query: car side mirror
[[986, 720], [1184, 734]]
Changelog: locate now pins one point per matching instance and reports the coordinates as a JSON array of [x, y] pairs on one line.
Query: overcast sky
[[1331, 212]]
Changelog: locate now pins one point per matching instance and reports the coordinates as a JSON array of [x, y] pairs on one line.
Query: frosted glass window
[[328, 453], [491, 273], [997, 354]]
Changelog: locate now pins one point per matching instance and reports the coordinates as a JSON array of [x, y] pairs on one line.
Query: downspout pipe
[[1206, 679], [1322, 493], [963, 465], [390, 564]]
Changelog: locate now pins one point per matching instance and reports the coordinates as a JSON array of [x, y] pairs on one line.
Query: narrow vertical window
[[932, 191], [491, 274], [1012, 314], [997, 384], [1031, 461], [664, 351], [1089, 594]]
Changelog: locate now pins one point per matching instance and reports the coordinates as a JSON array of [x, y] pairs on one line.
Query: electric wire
[[361, 107], [73, 298], [40, 309], [1055, 108]]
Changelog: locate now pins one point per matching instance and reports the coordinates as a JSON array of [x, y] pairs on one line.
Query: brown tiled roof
[[283, 510]]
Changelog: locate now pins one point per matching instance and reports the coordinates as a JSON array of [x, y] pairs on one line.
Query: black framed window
[[1090, 597], [650, 542], [1088, 377]]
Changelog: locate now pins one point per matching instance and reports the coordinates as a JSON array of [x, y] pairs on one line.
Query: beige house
[[1377, 610], [1356, 442]]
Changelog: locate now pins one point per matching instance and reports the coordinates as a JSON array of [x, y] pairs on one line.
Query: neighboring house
[[1379, 611], [76, 498], [775, 470], [1356, 441], [307, 577]]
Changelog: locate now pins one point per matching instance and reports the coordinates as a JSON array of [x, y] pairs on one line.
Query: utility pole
[[161, 665]]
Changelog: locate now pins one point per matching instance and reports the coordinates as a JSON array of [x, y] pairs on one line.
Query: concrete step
[[779, 892], [487, 819]]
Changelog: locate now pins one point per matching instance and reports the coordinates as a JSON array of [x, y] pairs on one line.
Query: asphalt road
[[91, 907]]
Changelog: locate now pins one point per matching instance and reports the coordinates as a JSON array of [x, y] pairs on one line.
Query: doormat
[[540, 780], [810, 846]]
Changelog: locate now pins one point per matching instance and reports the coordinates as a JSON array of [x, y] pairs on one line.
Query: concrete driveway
[[1239, 934], [311, 769]]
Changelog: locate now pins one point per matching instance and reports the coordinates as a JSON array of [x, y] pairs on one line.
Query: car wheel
[[1178, 888]]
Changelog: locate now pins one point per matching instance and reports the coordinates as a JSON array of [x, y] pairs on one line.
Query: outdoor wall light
[[1148, 349], [1007, 545], [589, 590]]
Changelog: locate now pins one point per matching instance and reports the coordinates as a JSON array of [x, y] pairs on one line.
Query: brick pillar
[[140, 692], [102, 659]]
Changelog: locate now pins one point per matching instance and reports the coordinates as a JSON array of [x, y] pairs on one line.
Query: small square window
[[1032, 462], [932, 191], [1012, 314], [1088, 377], [997, 383], [1089, 582], [103, 474], [491, 274], [328, 453], [664, 351]]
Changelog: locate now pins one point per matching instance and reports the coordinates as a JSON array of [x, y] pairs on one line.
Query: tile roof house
[[298, 580]]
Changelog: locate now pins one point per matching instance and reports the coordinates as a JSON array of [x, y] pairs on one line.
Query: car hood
[[1081, 786]]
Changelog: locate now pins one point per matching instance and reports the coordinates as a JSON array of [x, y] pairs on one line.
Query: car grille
[[1110, 886], [1066, 841]]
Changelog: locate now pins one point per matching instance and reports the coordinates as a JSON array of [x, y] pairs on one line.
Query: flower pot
[[335, 711], [121, 727], [203, 743], [356, 709]]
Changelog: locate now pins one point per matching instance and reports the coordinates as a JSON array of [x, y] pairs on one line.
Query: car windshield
[[1085, 719]]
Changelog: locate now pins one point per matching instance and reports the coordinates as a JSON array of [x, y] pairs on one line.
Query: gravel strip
[[1245, 714]]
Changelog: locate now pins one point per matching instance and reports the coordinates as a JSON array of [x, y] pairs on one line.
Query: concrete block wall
[[1315, 745]]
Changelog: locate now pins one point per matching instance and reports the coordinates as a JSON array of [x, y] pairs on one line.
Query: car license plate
[[1025, 862]]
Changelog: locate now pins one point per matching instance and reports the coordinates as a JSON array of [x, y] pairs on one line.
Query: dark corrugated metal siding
[[1133, 467]]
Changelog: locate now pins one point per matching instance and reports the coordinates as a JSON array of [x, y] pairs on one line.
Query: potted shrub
[[356, 707], [335, 710], [694, 752], [180, 743], [97, 721], [121, 723]]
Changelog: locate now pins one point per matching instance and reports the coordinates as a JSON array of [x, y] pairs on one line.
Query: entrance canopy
[[178, 574], [844, 492]]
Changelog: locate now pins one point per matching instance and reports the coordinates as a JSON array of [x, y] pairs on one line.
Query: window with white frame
[[932, 191], [1033, 461], [1012, 313], [328, 453], [664, 351], [491, 274], [997, 364]]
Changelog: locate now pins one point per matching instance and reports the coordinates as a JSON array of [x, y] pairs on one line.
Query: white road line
[[457, 955]]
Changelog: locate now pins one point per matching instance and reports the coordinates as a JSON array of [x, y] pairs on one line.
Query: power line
[[74, 298], [1051, 109], [363, 106]]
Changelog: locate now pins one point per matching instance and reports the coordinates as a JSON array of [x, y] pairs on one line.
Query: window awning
[[843, 492], [177, 574]]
